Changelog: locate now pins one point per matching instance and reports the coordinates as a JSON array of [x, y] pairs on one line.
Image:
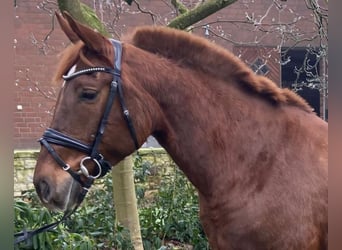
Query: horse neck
[[191, 121]]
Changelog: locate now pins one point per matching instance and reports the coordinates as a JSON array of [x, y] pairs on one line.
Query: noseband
[[51, 136]]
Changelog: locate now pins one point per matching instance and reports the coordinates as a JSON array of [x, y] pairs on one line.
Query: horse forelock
[[68, 58], [72, 54], [201, 54]]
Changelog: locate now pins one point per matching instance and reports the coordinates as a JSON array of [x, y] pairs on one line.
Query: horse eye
[[88, 94]]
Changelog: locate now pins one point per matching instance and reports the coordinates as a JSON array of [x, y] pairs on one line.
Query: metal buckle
[[83, 169]]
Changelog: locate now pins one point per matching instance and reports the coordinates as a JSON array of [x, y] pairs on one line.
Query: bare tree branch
[[180, 7], [200, 12], [153, 16]]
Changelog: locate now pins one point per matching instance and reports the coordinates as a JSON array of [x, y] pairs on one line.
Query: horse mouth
[[64, 198]]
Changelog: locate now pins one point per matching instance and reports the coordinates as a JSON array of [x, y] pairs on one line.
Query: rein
[[52, 136]]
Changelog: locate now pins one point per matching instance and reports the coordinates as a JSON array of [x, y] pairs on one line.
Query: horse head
[[91, 104]]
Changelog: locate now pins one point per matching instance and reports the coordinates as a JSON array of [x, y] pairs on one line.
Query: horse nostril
[[44, 191]]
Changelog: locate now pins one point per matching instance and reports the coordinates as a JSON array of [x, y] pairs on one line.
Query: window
[[300, 71], [260, 67]]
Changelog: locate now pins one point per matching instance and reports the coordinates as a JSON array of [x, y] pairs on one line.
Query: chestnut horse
[[256, 153]]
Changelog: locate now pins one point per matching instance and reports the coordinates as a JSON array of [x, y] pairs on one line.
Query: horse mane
[[201, 54]]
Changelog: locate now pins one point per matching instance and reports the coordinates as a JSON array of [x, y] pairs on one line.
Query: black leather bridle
[[52, 136]]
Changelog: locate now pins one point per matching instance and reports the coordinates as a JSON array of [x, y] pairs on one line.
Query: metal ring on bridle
[[66, 167], [84, 170]]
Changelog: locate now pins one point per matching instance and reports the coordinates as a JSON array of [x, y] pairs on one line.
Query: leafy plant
[[174, 214], [168, 212]]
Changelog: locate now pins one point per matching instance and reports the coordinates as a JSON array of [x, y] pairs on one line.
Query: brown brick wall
[[35, 60], [34, 64]]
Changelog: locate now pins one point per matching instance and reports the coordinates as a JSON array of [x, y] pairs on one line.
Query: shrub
[[168, 212]]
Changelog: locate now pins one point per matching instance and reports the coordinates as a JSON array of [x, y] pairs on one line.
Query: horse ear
[[92, 39], [73, 37]]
